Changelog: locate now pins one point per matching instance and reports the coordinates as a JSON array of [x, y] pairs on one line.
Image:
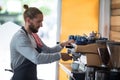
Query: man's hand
[[67, 43], [66, 57]]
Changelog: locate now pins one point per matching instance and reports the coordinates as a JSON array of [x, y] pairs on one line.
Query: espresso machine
[[78, 51], [109, 53], [92, 71], [110, 58], [101, 70], [104, 53]]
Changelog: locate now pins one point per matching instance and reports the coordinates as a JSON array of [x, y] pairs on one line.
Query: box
[[93, 60], [91, 52]]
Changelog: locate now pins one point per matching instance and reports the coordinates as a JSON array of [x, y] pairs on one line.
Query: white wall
[[6, 32]]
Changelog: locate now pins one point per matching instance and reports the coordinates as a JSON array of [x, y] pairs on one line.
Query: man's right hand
[[66, 57], [67, 43]]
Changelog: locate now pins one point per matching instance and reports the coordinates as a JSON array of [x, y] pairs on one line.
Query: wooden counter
[[74, 75], [66, 67]]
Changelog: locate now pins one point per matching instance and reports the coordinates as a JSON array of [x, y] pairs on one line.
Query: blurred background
[[11, 19], [62, 18]]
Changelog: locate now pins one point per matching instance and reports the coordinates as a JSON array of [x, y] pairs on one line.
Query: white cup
[[75, 66]]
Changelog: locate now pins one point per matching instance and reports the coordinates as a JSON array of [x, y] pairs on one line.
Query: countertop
[[68, 69]]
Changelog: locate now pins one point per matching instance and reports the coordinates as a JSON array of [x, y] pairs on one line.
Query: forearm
[[54, 49]]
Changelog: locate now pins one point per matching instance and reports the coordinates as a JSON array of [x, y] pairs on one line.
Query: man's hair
[[31, 12]]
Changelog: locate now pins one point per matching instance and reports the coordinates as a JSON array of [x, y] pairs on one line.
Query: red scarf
[[37, 39]]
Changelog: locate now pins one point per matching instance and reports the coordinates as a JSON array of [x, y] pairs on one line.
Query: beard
[[32, 28]]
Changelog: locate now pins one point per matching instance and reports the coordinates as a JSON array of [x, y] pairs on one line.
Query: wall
[[78, 17]]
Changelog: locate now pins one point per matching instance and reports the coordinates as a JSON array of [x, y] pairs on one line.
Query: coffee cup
[[75, 66]]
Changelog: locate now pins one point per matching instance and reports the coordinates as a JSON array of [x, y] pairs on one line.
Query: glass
[[114, 52], [103, 52], [104, 56]]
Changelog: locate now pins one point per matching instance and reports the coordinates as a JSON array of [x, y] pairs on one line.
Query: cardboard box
[[91, 52], [93, 60], [90, 48]]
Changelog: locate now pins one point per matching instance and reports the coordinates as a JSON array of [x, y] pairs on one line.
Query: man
[[27, 49]]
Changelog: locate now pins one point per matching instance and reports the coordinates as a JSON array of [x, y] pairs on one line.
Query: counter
[[73, 75]]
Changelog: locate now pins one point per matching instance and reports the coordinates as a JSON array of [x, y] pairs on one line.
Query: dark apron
[[27, 70]]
